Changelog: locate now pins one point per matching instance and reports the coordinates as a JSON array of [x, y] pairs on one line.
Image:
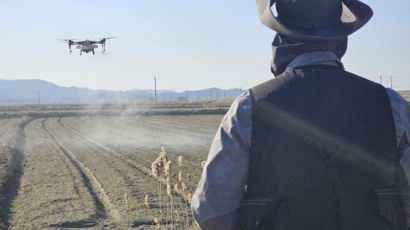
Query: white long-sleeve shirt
[[222, 186]]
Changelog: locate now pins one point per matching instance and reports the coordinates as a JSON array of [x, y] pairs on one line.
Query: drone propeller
[[103, 41], [70, 42], [107, 38]]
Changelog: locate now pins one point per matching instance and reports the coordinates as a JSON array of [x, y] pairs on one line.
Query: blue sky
[[186, 44]]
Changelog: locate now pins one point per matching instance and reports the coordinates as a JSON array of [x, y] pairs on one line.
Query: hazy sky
[[186, 43]]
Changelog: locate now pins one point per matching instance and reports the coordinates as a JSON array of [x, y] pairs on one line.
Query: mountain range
[[34, 90]]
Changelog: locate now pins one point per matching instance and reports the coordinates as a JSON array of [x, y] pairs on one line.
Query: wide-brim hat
[[314, 19]]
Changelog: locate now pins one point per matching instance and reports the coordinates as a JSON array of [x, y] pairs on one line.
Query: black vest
[[323, 155]]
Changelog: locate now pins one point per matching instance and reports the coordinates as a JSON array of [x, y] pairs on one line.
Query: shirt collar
[[316, 58]]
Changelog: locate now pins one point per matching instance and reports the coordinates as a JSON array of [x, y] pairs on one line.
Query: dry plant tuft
[[189, 197], [169, 189], [176, 188], [154, 168], [177, 218], [156, 221], [203, 164], [161, 163], [180, 178], [167, 168], [180, 161], [184, 187], [126, 199], [163, 156], [147, 201]]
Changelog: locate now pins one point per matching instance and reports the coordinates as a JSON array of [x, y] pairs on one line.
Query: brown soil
[[95, 172]]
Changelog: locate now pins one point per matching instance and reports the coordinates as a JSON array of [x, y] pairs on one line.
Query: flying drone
[[86, 45]]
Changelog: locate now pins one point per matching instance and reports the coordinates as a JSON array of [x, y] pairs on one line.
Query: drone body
[[86, 45]]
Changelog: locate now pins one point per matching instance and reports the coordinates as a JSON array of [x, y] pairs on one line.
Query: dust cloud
[[124, 128]]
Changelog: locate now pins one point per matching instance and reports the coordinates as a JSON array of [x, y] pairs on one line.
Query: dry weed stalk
[[180, 161], [167, 168], [161, 163], [177, 219], [180, 177], [147, 201], [176, 188], [126, 199], [189, 197], [154, 169], [163, 156], [184, 187], [169, 189], [156, 221], [203, 164]]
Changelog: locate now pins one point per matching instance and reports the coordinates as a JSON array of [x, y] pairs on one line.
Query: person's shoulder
[[395, 95], [242, 102], [396, 100], [360, 79]]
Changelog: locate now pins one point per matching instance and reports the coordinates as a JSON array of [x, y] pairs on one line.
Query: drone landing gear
[[81, 52], [93, 52], [69, 46]]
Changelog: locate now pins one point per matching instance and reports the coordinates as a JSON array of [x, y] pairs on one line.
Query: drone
[[86, 45]]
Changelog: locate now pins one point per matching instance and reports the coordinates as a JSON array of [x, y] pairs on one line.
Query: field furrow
[[125, 185], [95, 171], [143, 176], [11, 159], [123, 138], [53, 191]]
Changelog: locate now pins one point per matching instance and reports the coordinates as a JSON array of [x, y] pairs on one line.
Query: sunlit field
[[123, 167]]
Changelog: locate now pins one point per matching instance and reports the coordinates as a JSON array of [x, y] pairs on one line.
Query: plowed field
[[95, 171]]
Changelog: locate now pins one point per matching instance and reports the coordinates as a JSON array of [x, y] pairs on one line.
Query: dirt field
[[96, 171]]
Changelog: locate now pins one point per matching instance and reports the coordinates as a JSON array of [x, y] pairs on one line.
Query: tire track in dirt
[[64, 200], [138, 165], [104, 206], [11, 185], [119, 133], [131, 180], [72, 174], [4, 126]]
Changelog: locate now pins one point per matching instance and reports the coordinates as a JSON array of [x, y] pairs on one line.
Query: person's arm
[[222, 186], [401, 116]]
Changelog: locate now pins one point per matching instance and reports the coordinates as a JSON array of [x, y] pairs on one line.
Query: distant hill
[[27, 92]]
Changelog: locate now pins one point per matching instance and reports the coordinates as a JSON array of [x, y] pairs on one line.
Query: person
[[316, 147]]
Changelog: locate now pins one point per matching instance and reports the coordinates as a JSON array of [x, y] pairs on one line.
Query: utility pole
[[381, 80], [391, 81], [155, 89], [39, 101], [186, 95]]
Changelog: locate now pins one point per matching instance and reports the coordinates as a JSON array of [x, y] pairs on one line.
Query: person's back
[[315, 148], [323, 154]]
